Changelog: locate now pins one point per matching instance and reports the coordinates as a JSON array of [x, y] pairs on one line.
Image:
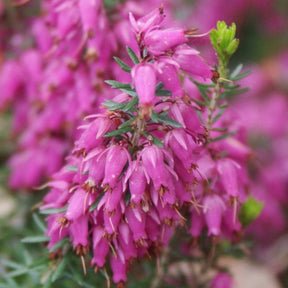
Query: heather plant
[[156, 173], [156, 159]]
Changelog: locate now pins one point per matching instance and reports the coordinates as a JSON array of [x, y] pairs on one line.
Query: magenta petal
[[158, 41], [100, 247], [213, 210], [116, 159], [119, 268], [144, 79], [79, 231]]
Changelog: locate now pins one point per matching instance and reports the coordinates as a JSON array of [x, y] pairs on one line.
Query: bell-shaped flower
[[213, 210], [191, 62], [11, 79], [89, 10], [182, 146], [186, 115], [111, 199], [111, 220], [79, 203], [197, 223], [137, 180], [147, 22], [222, 280], [136, 220], [56, 230], [119, 267], [158, 41], [116, 159], [78, 230], [144, 81], [168, 74], [227, 169], [154, 161], [94, 165], [100, 246], [126, 241], [93, 132], [67, 20]]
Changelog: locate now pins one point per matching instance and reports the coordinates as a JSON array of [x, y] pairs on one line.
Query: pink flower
[[213, 210], [100, 247], [144, 81], [116, 159], [89, 10], [228, 173], [119, 267], [191, 62], [79, 231], [159, 41], [222, 280], [152, 19]]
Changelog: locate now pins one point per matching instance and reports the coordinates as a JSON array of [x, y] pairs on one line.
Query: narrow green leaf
[[157, 141], [231, 93], [113, 106], [240, 76], [164, 119], [127, 123], [41, 225], [201, 103], [35, 239], [10, 264], [163, 93], [224, 136], [130, 105], [129, 91], [71, 168], [126, 107], [203, 91], [59, 270], [219, 114], [123, 65], [127, 197], [59, 244], [236, 71], [19, 272], [132, 55], [11, 283], [199, 114], [95, 204], [48, 282], [118, 132], [53, 211], [159, 86], [117, 84]]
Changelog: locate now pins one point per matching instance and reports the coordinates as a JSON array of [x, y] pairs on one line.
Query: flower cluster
[[147, 163], [54, 76]]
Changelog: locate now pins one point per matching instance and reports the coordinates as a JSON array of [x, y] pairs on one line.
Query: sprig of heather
[[147, 164]]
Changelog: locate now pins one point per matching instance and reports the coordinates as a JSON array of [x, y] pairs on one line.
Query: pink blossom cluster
[[144, 166], [53, 75]]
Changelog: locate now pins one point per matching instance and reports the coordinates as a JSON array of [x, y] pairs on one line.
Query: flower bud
[[144, 80], [159, 41]]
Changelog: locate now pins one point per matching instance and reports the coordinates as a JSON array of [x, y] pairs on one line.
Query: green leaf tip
[[224, 43], [223, 39], [250, 210]]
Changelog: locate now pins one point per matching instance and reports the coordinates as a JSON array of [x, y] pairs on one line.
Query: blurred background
[[34, 138]]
